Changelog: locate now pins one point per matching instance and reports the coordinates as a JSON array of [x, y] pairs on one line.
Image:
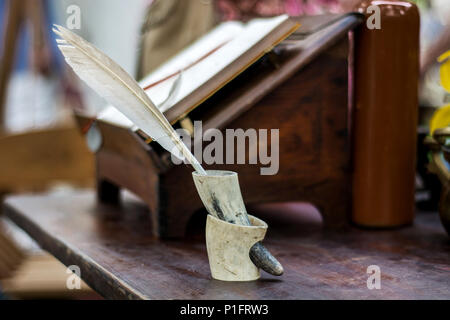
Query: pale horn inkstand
[[233, 238]]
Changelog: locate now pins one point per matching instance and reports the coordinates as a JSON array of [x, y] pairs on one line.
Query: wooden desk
[[119, 258]]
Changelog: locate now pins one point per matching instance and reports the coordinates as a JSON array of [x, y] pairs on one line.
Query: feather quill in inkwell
[[117, 87]]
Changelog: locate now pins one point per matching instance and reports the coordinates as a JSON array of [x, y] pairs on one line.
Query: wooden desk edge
[[91, 272]]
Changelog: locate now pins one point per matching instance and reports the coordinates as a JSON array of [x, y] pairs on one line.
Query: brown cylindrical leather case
[[385, 115]]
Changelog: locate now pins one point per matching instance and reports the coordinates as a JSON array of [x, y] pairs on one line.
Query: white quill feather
[[117, 87]]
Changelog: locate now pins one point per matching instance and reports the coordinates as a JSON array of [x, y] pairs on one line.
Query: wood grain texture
[[120, 259]]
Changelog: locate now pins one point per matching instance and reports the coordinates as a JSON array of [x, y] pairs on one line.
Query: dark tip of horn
[[263, 259]]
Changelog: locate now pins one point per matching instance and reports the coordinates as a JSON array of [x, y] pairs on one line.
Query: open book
[[197, 72]]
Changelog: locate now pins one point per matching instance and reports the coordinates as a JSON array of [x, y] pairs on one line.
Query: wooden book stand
[[304, 91]]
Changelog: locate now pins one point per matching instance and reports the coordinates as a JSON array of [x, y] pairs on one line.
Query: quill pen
[[117, 87]]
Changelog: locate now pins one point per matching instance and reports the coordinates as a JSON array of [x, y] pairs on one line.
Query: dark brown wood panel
[[120, 259]]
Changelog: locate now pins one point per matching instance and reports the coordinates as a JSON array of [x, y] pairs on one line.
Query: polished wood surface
[[120, 259]]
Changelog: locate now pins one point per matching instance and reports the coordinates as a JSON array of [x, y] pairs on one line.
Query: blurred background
[[41, 147]]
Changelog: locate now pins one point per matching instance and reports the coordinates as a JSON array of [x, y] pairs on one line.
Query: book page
[[200, 62]]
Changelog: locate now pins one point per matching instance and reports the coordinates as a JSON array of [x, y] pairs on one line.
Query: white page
[[238, 39]]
